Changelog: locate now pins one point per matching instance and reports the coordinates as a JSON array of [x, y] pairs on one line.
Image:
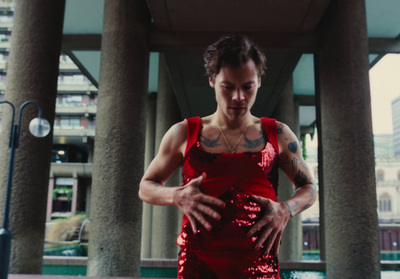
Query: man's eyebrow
[[246, 83], [225, 81]]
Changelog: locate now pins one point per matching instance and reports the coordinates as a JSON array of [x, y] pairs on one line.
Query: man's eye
[[248, 87], [228, 87]]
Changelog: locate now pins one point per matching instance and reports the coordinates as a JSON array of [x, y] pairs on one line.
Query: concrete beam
[[167, 41], [384, 45]]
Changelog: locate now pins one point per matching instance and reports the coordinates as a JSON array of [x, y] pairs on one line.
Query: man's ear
[[211, 81], [259, 81]]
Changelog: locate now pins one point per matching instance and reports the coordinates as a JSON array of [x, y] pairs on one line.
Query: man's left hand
[[271, 225]]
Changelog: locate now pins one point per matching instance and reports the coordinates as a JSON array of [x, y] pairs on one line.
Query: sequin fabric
[[226, 251]]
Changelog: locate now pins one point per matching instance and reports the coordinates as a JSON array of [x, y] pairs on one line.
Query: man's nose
[[238, 95]]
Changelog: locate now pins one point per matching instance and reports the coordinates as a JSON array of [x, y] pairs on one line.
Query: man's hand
[[271, 225], [192, 202]]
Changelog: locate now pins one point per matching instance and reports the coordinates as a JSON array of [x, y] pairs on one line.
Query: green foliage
[[304, 147], [62, 191]]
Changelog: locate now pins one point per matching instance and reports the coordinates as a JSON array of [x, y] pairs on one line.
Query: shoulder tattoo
[[248, 143], [212, 143]]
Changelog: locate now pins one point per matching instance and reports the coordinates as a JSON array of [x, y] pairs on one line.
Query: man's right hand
[[195, 205]]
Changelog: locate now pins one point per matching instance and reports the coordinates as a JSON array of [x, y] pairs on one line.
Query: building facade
[[396, 125], [387, 172], [73, 131]]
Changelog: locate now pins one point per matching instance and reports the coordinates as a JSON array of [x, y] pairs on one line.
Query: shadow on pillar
[[165, 218]]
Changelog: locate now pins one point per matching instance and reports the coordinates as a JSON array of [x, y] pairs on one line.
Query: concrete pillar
[[151, 111], [88, 199], [90, 144], [351, 223], [292, 238], [165, 218], [321, 196], [74, 198], [116, 210], [32, 75], [50, 199]]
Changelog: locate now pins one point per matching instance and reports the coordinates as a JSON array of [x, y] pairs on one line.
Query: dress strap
[[193, 128], [272, 131]]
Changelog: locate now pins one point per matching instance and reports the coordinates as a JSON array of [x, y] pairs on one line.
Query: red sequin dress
[[226, 251]]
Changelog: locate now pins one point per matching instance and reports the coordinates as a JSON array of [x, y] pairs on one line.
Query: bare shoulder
[[206, 120], [284, 131], [175, 138], [286, 138]]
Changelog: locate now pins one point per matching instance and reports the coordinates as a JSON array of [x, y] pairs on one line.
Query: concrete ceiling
[[182, 29], [194, 95], [237, 16]]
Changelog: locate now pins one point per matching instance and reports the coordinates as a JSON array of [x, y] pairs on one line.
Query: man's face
[[236, 89]]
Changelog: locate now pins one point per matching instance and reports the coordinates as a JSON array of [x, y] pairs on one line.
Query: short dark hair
[[235, 51]]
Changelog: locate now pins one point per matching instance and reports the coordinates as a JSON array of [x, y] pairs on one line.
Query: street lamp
[[39, 127]]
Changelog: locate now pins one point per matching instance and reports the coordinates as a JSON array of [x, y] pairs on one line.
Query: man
[[233, 224]]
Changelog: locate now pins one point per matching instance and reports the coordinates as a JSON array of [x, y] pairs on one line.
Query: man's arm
[[296, 169], [276, 216], [168, 159]]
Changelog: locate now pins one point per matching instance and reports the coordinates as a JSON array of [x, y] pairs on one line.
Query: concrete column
[[50, 199], [321, 196], [90, 143], [151, 111], [351, 223], [32, 75], [74, 198], [88, 199], [292, 238], [165, 219], [116, 210]]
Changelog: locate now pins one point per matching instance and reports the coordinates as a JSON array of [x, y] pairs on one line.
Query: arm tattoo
[[210, 142], [305, 207], [312, 192], [248, 143], [300, 179], [294, 164], [290, 210], [295, 207], [280, 129], [177, 126], [293, 147]]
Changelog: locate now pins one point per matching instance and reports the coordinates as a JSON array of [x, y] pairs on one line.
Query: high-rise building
[[396, 125], [74, 128]]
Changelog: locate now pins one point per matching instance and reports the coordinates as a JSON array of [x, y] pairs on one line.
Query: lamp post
[[39, 127]]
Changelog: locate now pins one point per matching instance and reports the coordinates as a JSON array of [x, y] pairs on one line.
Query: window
[[69, 100], [380, 176], [398, 175], [385, 203]]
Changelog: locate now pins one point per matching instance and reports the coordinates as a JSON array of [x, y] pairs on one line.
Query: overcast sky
[[385, 86]]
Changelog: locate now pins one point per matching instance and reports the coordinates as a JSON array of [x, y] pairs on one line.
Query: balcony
[[6, 25], [68, 66], [76, 110], [6, 5], [3, 65], [71, 169], [5, 45], [77, 88], [69, 131]]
